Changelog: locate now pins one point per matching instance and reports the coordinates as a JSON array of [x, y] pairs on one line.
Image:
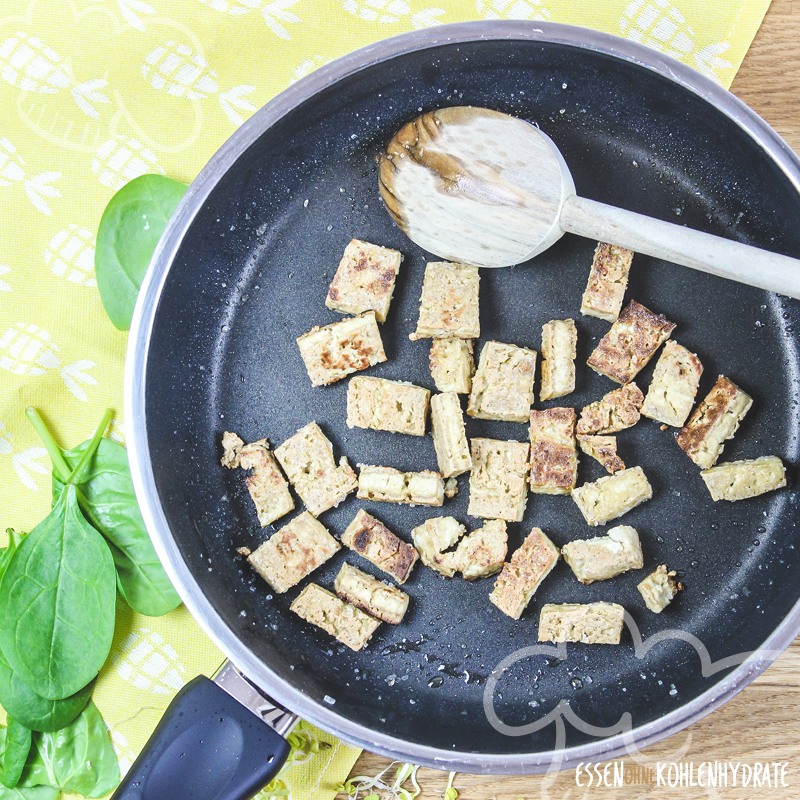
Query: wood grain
[[762, 723]]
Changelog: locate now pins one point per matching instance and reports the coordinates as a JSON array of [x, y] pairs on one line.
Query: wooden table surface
[[762, 723]]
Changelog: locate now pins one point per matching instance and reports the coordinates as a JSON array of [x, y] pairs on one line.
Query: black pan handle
[[207, 746]]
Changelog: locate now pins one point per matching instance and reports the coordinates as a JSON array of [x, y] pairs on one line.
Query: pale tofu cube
[[675, 380], [370, 538], [614, 412], [378, 599], [483, 552], [335, 351], [451, 487], [604, 557], [435, 536], [503, 384], [738, 480], [267, 486], [713, 422], [589, 623], [449, 435], [608, 279], [307, 460], [612, 496], [658, 589], [383, 405], [498, 485], [554, 457], [350, 625], [602, 449], [528, 566], [632, 341], [389, 485], [449, 303], [364, 280], [559, 343], [293, 552], [452, 365]]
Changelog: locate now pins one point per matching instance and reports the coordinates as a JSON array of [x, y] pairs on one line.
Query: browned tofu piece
[[741, 480], [559, 342], [498, 480], [452, 365], [590, 623], [631, 343], [449, 303], [529, 565], [659, 588], [503, 384], [307, 460], [383, 405], [554, 457], [602, 449], [335, 351], [713, 422], [432, 538], [608, 279], [370, 538], [350, 625], [232, 445], [378, 599], [389, 485], [293, 552], [364, 280], [483, 552], [675, 379], [614, 412], [604, 557]]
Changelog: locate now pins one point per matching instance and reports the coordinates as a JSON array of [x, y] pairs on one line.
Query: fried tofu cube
[[528, 566], [713, 422], [232, 445], [307, 460], [559, 343], [293, 552], [675, 380], [350, 625], [498, 481], [739, 480], [378, 599], [503, 384], [389, 485], [659, 588], [604, 557], [452, 365], [608, 279], [590, 623], [632, 341], [383, 405], [364, 280], [612, 496], [614, 412], [449, 435], [554, 457], [483, 552], [432, 538], [602, 449], [370, 538], [335, 351], [449, 303]]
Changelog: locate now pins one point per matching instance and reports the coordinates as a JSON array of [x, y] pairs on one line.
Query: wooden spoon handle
[[691, 248]]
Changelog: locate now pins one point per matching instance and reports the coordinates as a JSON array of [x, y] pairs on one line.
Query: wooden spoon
[[484, 188]]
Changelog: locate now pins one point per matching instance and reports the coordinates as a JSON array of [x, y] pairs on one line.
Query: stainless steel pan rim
[[134, 398]]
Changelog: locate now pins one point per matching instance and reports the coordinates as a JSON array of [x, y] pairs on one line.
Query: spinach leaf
[[109, 503], [14, 538], [57, 597], [15, 752], [29, 793], [128, 234]]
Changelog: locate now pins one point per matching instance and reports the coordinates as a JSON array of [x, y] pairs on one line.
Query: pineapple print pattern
[[29, 64], [512, 9], [70, 255], [4, 270], [177, 70], [122, 159], [149, 663], [389, 12], [275, 13], [12, 170]]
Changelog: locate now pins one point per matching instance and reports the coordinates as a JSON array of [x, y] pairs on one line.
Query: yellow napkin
[[96, 92]]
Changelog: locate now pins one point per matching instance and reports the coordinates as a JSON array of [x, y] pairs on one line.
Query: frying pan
[[243, 268]]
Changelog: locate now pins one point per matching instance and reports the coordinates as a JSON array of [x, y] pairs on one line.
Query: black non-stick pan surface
[[251, 274]]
